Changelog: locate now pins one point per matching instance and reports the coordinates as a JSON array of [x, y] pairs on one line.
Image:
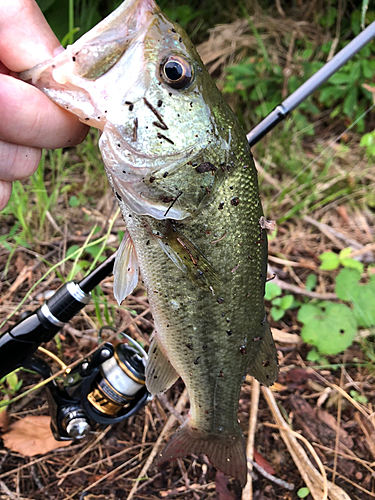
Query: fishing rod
[[305, 90], [109, 385]]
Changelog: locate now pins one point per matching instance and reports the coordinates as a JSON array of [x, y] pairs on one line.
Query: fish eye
[[177, 72]]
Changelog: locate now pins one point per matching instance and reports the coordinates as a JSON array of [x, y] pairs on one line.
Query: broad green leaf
[[352, 264], [71, 250], [277, 313], [345, 252], [311, 282], [303, 492], [286, 302], [330, 327], [330, 261], [272, 290]]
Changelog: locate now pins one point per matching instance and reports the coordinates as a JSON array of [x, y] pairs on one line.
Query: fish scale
[[183, 174]]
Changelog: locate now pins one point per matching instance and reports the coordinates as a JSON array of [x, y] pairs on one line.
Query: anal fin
[[160, 374], [125, 270], [264, 366]]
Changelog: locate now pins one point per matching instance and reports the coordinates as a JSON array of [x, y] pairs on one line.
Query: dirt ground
[[116, 462]]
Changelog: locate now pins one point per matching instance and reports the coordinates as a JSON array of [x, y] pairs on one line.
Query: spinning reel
[[106, 388]]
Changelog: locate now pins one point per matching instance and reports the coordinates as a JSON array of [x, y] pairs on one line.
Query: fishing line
[[283, 191]]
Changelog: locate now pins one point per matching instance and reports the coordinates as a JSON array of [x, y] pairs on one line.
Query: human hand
[[29, 121]]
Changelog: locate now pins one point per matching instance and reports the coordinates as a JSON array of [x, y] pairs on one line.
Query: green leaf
[[352, 264], [330, 261], [73, 201], [303, 492], [311, 282], [330, 327], [313, 356], [350, 101], [277, 313], [272, 290], [362, 296], [345, 252], [286, 302], [12, 381], [71, 251]]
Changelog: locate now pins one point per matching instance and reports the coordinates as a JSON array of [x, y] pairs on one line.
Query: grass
[[61, 222]]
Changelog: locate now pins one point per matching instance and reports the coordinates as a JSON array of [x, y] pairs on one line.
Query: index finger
[[25, 36]]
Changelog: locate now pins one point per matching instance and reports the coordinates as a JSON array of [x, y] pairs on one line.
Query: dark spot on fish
[[118, 196], [152, 179], [221, 374], [196, 360], [173, 30], [250, 257], [53, 65], [161, 136], [206, 412], [147, 242], [189, 346], [222, 315], [221, 206], [167, 199], [165, 175], [260, 275], [180, 39], [220, 301], [243, 350], [118, 145], [73, 59], [228, 320], [235, 201], [129, 215], [87, 119], [256, 339], [229, 332], [135, 129], [167, 326], [191, 104], [170, 94], [131, 107], [230, 187], [205, 167], [204, 347], [155, 376], [159, 103]]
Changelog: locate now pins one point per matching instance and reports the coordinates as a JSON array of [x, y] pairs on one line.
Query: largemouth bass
[[182, 171]]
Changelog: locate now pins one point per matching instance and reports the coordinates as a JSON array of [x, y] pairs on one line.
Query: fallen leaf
[[4, 419], [221, 483], [260, 460], [32, 436]]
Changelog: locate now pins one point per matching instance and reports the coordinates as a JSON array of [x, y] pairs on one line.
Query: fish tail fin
[[226, 454]]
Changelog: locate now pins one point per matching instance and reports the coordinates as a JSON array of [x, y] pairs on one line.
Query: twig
[[170, 408], [11, 495], [270, 477], [301, 291], [171, 421], [356, 485], [333, 235], [247, 492], [317, 483]]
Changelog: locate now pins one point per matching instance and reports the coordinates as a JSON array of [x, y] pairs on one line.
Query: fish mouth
[[98, 49]]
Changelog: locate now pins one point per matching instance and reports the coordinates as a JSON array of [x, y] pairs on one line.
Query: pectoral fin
[[264, 366], [186, 256], [125, 270], [160, 374]]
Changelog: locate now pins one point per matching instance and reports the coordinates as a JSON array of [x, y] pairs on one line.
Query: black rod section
[[306, 89], [97, 275]]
